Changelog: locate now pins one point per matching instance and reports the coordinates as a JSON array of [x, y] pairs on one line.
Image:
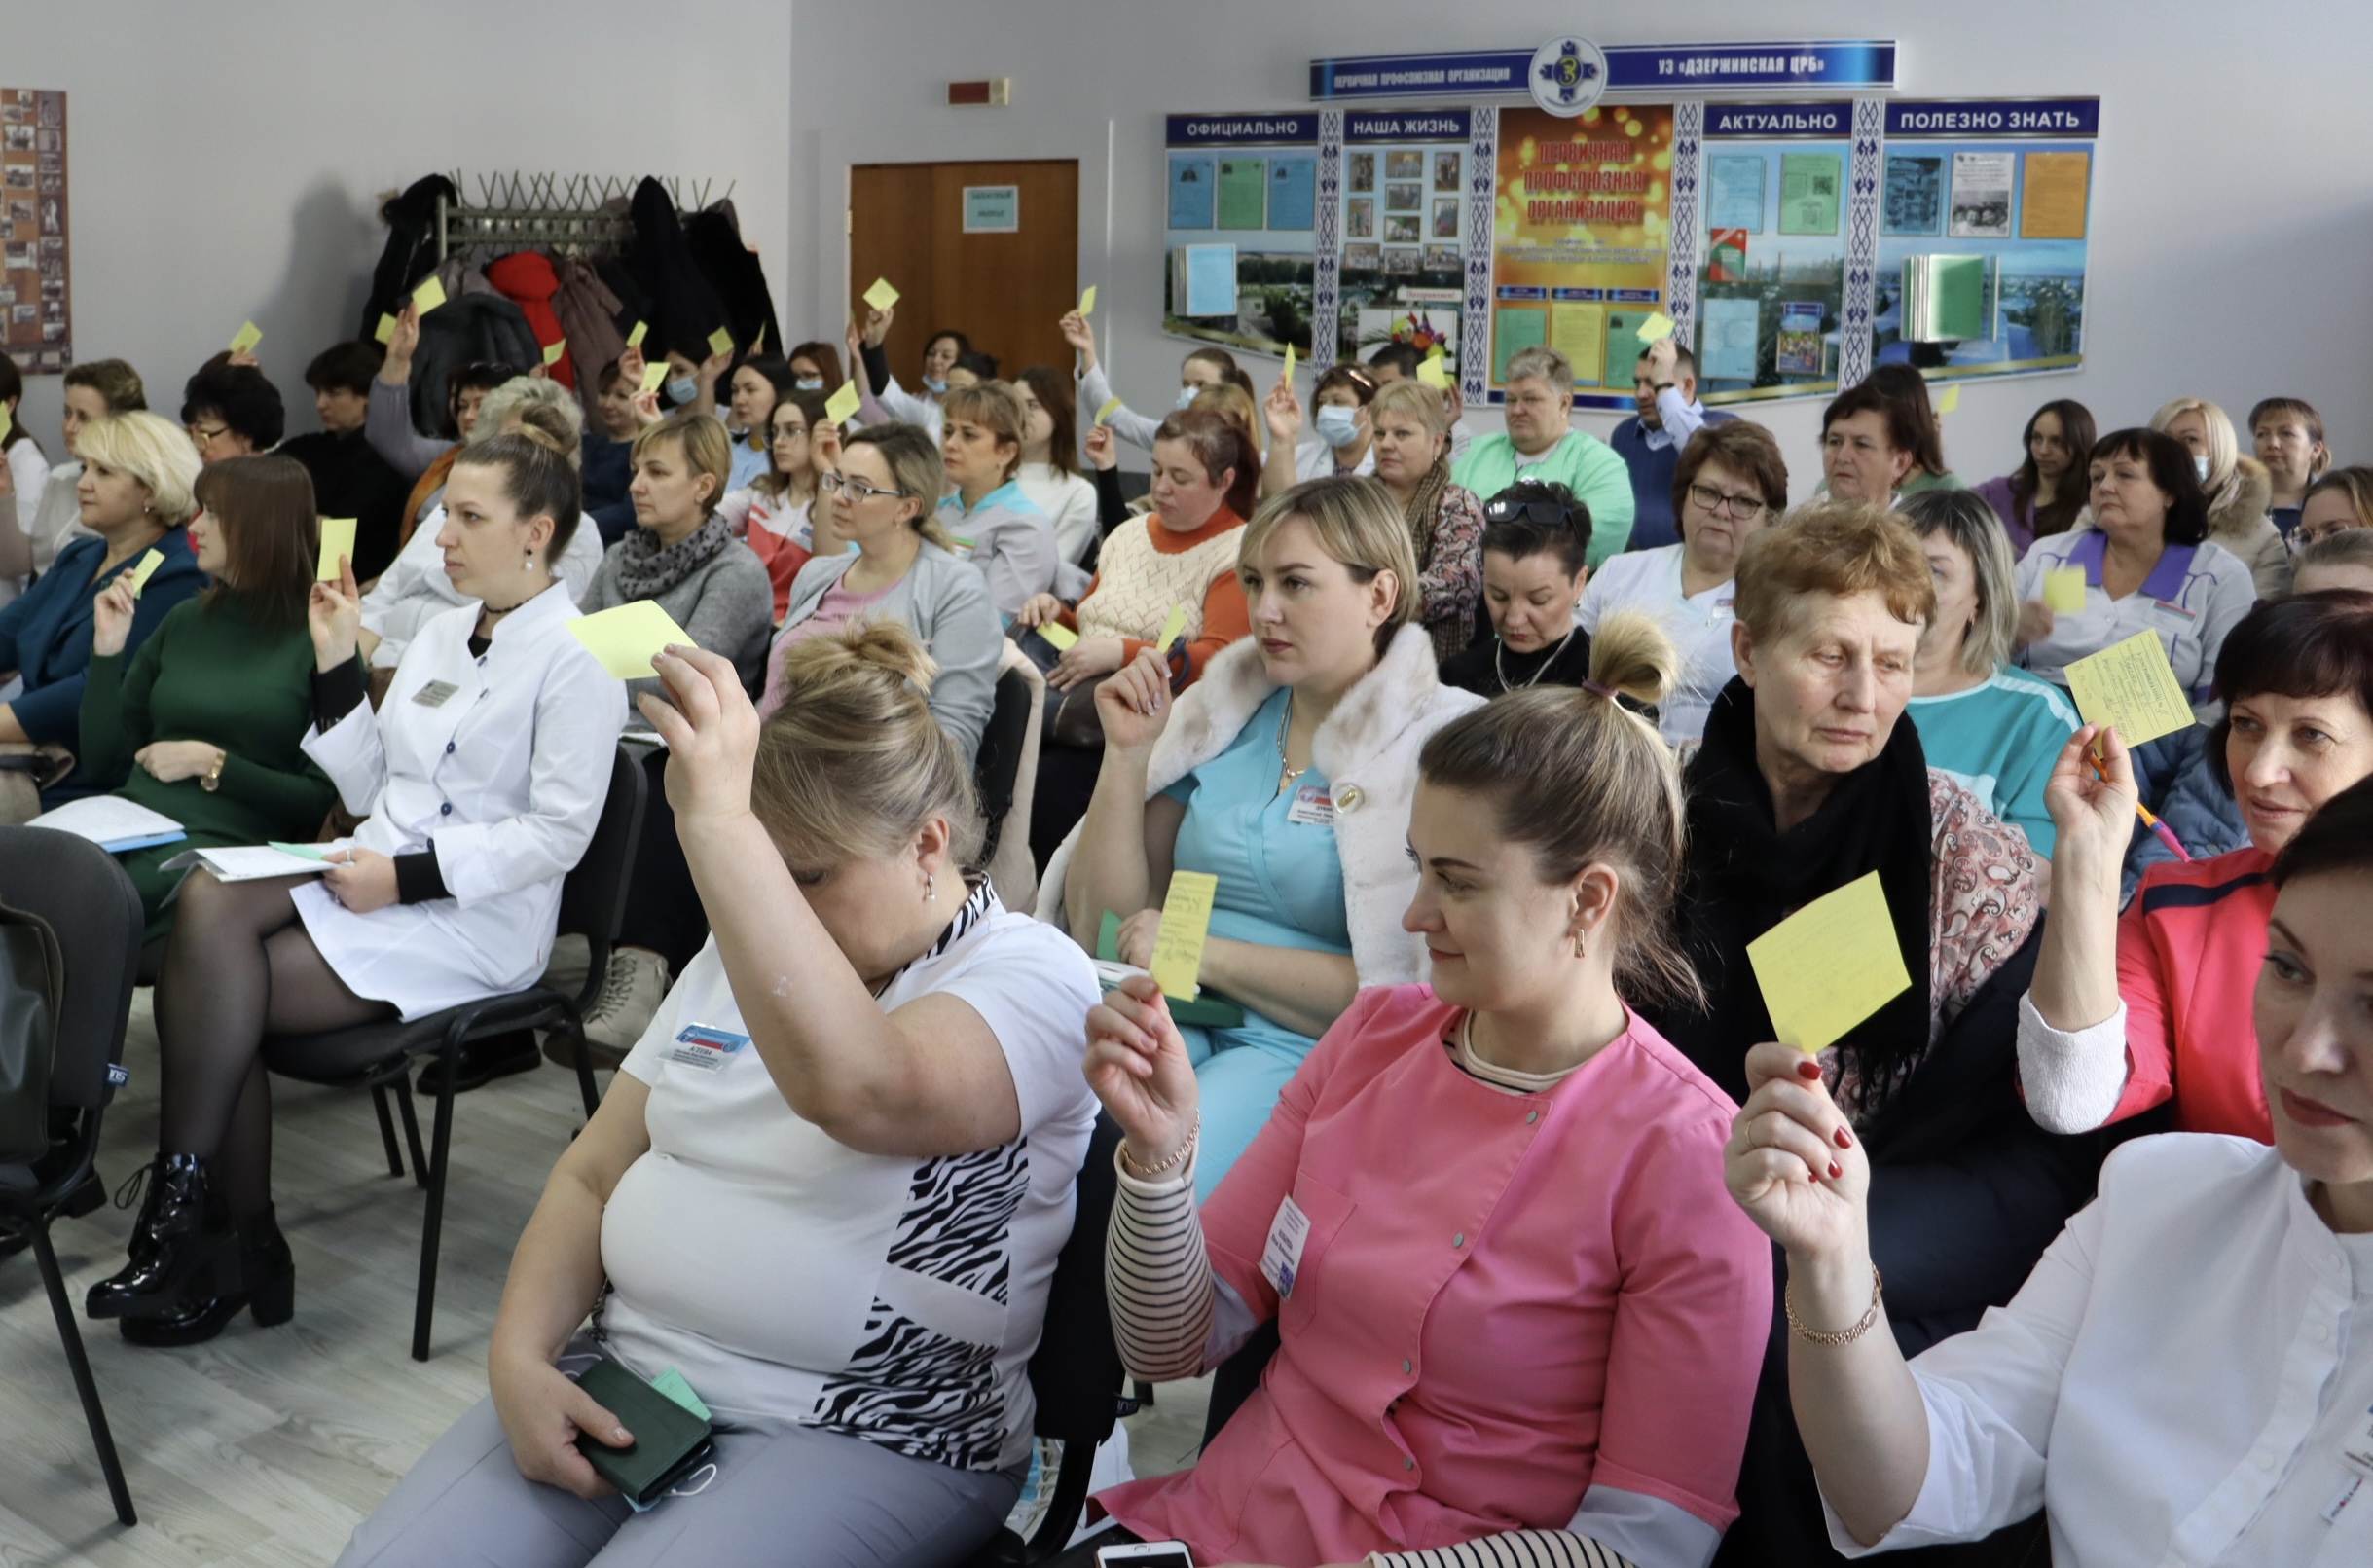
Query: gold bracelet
[[1835, 1336], [1178, 1156]]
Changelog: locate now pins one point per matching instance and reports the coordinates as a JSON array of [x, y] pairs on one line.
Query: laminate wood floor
[[266, 1446]]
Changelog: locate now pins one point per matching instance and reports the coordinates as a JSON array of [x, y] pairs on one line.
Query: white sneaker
[[632, 990], [564, 972]]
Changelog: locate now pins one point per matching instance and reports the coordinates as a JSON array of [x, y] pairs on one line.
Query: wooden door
[[1005, 291]]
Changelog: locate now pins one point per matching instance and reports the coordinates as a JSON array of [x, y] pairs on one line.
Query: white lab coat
[[414, 589], [505, 778]]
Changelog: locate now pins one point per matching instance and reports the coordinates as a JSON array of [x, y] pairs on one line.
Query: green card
[[1108, 940]]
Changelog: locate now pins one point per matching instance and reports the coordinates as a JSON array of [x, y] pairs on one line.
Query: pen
[[2166, 834]]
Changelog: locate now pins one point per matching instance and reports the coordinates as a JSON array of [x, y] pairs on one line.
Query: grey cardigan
[[725, 603], [945, 603]]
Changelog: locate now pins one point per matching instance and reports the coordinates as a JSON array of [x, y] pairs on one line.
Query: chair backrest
[[1075, 1372], [997, 765], [88, 901], [592, 896]]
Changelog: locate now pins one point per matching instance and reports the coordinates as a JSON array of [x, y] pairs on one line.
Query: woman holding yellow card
[[1287, 772], [1808, 779], [204, 722], [479, 781], [2184, 1378], [137, 469], [2149, 565], [2133, 1010]]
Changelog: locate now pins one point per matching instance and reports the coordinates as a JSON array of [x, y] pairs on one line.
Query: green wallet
[[670, 1441]]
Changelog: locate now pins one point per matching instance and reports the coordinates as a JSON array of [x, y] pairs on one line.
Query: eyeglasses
[[206, 435], [790, 432], [1540, 513], [1714, 504], [832, 484]]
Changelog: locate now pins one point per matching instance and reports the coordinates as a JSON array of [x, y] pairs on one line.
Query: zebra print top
[[794, 1280]]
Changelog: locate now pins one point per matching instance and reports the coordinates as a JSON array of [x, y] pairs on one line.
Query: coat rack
[[569, 214]]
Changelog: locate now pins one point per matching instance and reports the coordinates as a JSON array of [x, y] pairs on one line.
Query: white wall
[[2232, 215], [225, 157]]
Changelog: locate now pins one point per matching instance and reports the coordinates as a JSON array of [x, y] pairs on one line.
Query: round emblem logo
[[1568, 76]]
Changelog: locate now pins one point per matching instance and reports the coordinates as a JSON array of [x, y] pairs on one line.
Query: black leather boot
[[177, 1243], [262, 1279]]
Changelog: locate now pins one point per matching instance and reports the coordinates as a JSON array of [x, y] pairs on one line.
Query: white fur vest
[[1368, 749]]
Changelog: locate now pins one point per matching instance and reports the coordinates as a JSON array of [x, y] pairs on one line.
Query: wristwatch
[[213, 778]]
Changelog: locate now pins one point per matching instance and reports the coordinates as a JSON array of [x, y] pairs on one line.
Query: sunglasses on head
[[1544, 514]]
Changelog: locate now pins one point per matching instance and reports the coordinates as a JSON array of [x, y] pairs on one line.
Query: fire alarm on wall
[[996, 92]]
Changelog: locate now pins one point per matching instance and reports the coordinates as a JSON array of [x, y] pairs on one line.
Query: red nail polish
[[1835, 1170], [1845, 1139], [1808, 1070]]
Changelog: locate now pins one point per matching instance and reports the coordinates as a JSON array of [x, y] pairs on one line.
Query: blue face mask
[[1337, 426], [2200, 466], [934, 386], [683, 390], [810, 384], [1186, 397]]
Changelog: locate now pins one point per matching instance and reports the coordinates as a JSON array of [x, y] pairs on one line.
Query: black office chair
[[1076, 1374], [380, 1056], [78, 888], [997, 764]]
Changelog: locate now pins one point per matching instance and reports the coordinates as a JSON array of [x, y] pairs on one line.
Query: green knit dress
[[214, 671]]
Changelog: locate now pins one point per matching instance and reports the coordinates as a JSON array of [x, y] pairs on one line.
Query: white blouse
[[1700, 625], [2175, 1382]]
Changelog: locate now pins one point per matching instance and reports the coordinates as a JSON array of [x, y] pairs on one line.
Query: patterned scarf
[[645, 569], [1424, 510]]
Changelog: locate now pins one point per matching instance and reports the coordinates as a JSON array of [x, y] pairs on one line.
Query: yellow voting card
[[2131, 687], [429, 295], [2064, 590], [1431, 374], [246, 338], [1061, 636], [1087, 300], [385, 331], [881, 296], [624, 638], [1950, 401], [1655, 329], [144, 569], [720, 342], [1112, 405], [1171, 629], [554, 350], [1178, 948], [337, 539], [634, 339], [843, 403], [1288, 375], [653, 373], [8, 422], [1829, 966]]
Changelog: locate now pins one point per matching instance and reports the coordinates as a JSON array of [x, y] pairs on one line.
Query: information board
[[1241, 200], [1402, 263], [35, 306]]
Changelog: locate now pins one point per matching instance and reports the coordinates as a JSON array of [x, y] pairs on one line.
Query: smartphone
[[1147, 1554]]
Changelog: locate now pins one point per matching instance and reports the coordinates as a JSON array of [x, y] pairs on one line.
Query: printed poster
[[1809, 185], [35, 305], [1982, 194], [1582, 224], [1914, 201]]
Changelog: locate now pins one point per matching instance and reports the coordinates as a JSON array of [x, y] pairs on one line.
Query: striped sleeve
[[1158, 1277], [1518, 1549]]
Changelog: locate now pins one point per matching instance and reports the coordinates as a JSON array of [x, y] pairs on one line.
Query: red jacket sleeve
[[2150, 1033]]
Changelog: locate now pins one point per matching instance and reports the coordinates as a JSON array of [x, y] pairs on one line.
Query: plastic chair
[[1076, 1374], [78, 888], [379, 1056]]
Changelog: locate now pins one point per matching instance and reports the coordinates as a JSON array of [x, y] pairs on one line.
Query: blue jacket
[[2175, 781], [45, 633]]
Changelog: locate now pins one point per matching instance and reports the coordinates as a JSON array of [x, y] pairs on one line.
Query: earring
[[1581, 946], [527, 560], [931, 890]]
